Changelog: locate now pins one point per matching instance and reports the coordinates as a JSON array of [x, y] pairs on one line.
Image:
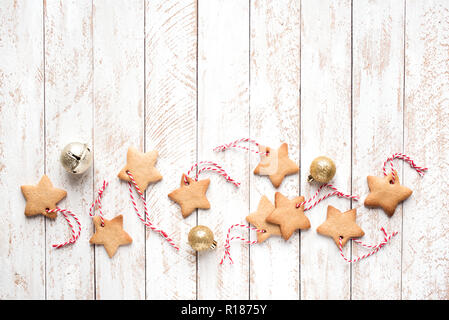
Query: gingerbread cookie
[[42, 197], [288, 216], [191, 195], [275, 164], [386, 194], [340, 224], [141, 165], [111, 235], [258, 219]]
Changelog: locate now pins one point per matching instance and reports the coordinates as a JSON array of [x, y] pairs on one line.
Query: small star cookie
[[42, 197], [191, 195], [385, 194], [340, 224], [111, 235], [289, 217], [141, 165], [258, 219], [275, 164]]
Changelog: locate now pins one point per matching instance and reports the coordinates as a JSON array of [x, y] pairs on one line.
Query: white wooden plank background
[[325, 130], [223, 108], [378, 65], [68, 96], [170, 71], [354, 80], [274, 118], [118, 64]]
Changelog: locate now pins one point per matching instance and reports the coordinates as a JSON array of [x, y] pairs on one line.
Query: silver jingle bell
[[76, 157]]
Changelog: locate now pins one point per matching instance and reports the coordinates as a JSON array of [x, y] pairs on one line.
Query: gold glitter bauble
[[201, 238], [322, 169]]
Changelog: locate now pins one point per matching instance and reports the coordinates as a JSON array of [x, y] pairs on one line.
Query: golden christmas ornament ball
[[76, 157], [201, 238], [322, 169]]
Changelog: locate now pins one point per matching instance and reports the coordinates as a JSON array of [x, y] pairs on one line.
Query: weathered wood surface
[[118, 46], [378, 64], [425, 252], [325, 130], [68, 117], [22, 143], [223, 108], [170, 71], [274, 119], [354, 80]]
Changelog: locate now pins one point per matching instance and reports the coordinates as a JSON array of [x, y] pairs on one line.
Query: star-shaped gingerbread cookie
[[111, 235], [288, 216], [258, 219], [191, 195], [340, 224], [275, 164], [385, 194], [141, 165], [42, 197]]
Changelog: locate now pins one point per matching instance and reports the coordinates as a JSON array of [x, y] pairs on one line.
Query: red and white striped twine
[[228, 240], [235, 143], [146, 221], [376, 248], [336, 192], [398, 155], [210, 166], [97, 203], [75, 235]]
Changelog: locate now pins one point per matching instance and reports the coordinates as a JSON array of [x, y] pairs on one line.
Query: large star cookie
[[275, 164], [340, 224], [111, 235], [191, 195], [42, 197], [141, 165], [258, 219], [385, 194], [288, 216]]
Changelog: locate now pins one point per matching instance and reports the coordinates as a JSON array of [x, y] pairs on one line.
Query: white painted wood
[[22, 239], [223, 115], [378, 57], [274, 109], [109, 85], [325, 130], [118, 41], [68, 111], [171, 129], [425, 262]]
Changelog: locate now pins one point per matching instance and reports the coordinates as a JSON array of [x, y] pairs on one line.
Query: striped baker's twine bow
[[235, 143], [146, 221], [75, 235], [336, 192], [228, 240], [398, 155], [210, 166], [375, 248], [97, 203]]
